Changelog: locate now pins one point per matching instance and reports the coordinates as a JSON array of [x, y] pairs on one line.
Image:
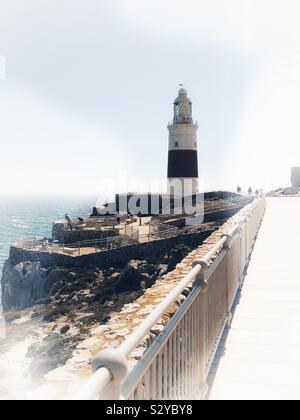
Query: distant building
[[183, 146], [289, 191], [295, 177]]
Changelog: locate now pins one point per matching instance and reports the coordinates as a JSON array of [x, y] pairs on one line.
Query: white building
[[295, 177]]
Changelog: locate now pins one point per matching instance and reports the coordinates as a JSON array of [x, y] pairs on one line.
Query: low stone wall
[[78, 236], [116, 257], [70, 237], [212, 216], [221, 214]]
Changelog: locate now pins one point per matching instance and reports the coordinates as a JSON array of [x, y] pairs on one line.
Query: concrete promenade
[[259, 356]]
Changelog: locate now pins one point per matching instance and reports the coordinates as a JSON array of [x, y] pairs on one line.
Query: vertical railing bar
[[188, 342], [170, 370], [147, 385], [181, 372], [199, 343], [180, 387], [185, 365], [159, 377], [140, 390], [186, 352], [195, 349], [175, 369], [192, 351], [165, 370], [191, 382], [206, 327], [154, 380]]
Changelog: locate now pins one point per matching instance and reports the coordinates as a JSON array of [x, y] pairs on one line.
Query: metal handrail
[[97, 243], [104, 375]]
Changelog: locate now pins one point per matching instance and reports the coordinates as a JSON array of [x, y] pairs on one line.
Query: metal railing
[[130, 237], [177, 363]]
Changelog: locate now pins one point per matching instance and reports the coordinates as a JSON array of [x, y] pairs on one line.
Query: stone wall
[[117, 257], [71, 237], [78, 236], [221, 214]]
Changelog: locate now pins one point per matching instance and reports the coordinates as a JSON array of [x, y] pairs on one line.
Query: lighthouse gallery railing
[[177, 364]]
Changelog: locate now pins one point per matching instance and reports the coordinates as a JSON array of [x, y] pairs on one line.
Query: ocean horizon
[[30, 217]]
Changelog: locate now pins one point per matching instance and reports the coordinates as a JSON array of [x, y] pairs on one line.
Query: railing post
[[202, 314], [228, 240], [240, 255], [228, 270], [200, 278]]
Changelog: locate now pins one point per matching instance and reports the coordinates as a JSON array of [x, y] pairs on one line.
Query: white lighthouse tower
[[183, 155]]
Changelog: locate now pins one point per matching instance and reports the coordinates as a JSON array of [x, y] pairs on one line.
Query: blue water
[[33, 217]]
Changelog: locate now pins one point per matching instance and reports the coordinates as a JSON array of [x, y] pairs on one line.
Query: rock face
[[27, 284], [66, 304], [137, 275], [176, 255]]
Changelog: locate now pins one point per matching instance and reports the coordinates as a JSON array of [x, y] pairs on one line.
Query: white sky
[[90, 85]]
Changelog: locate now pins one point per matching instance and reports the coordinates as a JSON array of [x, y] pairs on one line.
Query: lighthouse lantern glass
[[183, 108]]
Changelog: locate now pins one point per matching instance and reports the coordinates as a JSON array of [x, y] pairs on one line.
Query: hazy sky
[[89, 89]]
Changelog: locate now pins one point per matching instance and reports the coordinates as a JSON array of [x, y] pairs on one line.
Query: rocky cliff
[[27, 284], [52, 310], [67, 303]]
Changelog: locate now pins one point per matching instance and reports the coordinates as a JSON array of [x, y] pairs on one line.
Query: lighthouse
[[183, 145]]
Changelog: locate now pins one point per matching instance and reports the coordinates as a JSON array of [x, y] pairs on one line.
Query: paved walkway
[[259, 356]]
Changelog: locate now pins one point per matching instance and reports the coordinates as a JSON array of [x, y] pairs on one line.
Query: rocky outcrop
[[176, 255], [66, 304], [137, 275], [27, 284]]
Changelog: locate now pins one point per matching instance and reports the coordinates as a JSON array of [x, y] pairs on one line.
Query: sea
[[22, 218], [27, 218]]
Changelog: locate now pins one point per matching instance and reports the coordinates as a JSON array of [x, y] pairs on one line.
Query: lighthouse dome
[[182, 96], [183, 92]]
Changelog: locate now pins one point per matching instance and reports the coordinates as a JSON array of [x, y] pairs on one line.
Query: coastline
[[53, 311], [88, 298]]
